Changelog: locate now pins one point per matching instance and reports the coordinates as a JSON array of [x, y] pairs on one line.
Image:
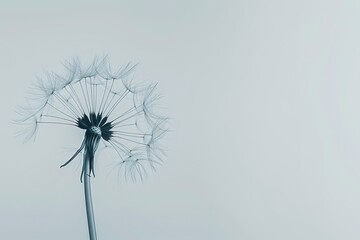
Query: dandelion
[[110, 108]]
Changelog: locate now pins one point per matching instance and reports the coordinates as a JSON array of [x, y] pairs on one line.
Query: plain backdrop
[[264, 104]]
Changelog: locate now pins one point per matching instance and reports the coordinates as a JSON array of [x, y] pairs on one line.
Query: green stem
[[88, 199]]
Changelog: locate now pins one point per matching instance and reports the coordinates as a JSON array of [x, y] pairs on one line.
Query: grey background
[[263, 97]]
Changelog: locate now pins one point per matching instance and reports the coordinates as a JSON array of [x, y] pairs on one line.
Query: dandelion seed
[[110, 108]]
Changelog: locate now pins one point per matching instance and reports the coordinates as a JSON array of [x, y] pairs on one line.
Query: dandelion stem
[[88, 199]]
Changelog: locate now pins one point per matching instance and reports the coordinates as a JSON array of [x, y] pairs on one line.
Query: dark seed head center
[[97, 125], [96, 130]]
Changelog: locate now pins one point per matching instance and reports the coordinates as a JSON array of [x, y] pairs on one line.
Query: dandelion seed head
[[108, 105]]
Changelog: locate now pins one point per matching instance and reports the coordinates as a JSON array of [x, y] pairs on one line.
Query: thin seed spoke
[[125, 113], [62, 112], [118, 101], [124, 125], [116, 149], [131, 140], [61, 123], [65, 119], [102, 99], [108, 93], [124, 147], [66, 104], [76, 99], [84, 95], [116, 123]]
